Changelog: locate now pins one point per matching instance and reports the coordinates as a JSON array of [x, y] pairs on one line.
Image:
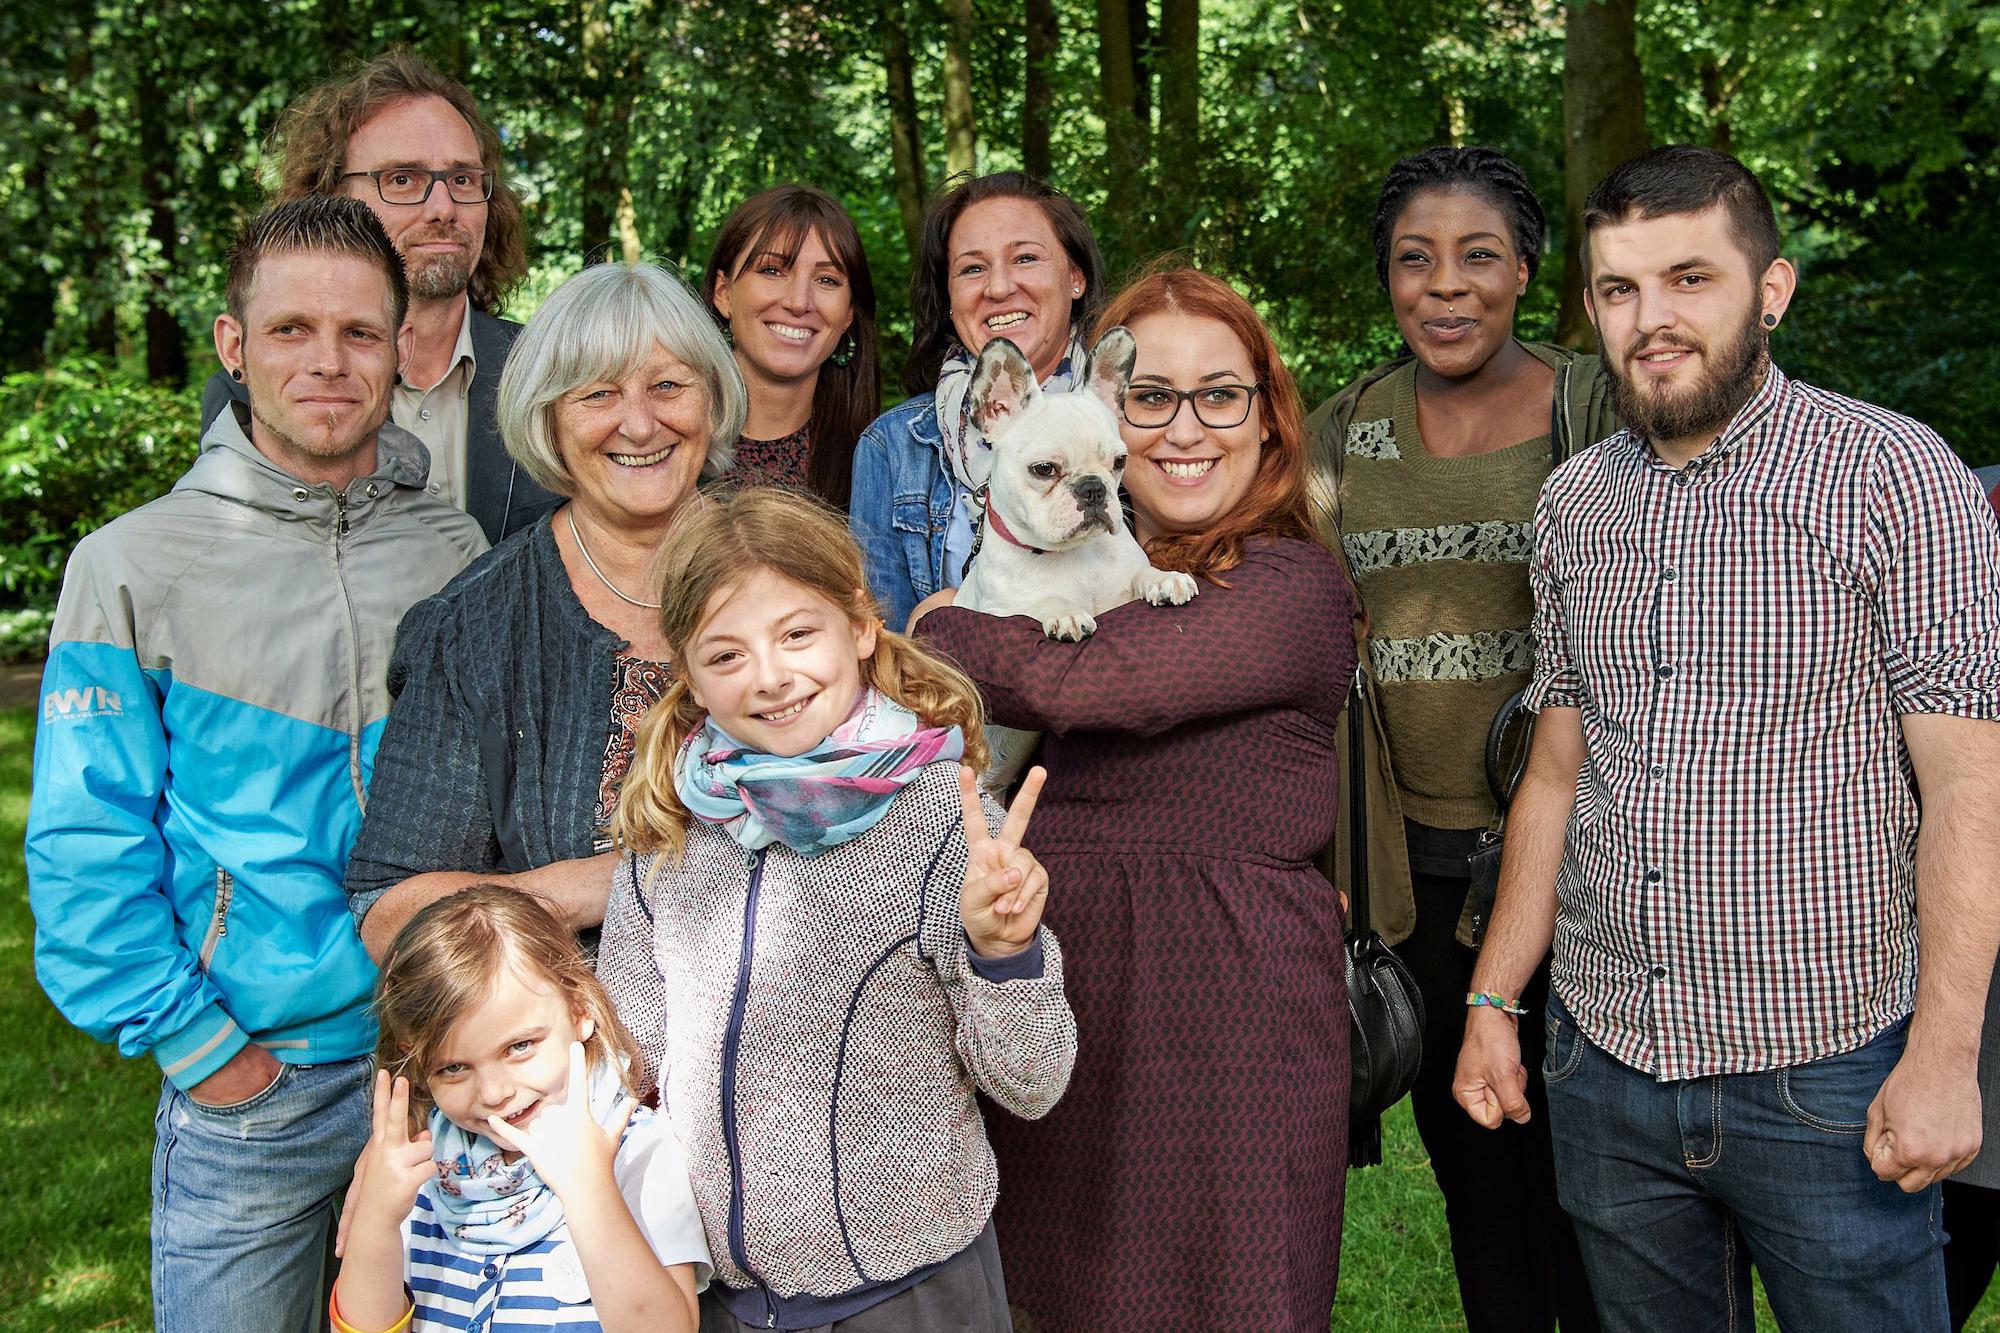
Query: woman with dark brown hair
[[789, 283], [1193, 1175], [1002, 256]]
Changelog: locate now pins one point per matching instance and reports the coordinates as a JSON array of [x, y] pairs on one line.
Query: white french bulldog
[[1054, 544]]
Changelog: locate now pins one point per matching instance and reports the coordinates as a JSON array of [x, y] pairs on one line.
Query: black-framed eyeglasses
[[1216, 406], [412, 185]]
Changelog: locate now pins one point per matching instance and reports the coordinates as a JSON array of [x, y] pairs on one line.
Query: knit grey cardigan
[[494, 749], [821, 1026]]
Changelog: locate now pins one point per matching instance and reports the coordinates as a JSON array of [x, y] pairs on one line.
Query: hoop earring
[[845, 350], [237, 374]]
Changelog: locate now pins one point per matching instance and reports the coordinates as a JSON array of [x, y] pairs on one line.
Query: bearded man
[[411, 144], [1765, 778]]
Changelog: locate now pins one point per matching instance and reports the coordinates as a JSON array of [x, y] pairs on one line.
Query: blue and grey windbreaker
[[214, 694]]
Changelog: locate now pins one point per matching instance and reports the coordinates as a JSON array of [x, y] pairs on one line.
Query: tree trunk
[[1179, 60], [906, 145], [1125, 158], [1604, 125], [1043, 35], [961, 144], [100, 263], [1138, 24], [166, 346], [597, 192], [1716, 95]]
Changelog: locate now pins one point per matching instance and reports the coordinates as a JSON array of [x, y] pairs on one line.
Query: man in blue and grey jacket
[[214, 693]]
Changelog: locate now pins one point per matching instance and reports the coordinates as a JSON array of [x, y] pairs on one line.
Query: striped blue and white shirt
[[1740, 638], [542, 1286]]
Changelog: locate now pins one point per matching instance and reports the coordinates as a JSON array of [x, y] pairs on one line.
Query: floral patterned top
[[639, 685], [780, 462]]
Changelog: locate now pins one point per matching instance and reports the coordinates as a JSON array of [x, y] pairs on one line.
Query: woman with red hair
[[1192, 1176]]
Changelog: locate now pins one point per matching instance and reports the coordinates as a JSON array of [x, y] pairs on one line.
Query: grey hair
[[600, 324]]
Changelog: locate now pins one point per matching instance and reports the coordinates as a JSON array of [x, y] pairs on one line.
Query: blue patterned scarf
[[491, 1205], [835, 791]]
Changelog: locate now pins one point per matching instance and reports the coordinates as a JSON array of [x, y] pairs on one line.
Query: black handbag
[[1507, 742], [1382, 998]]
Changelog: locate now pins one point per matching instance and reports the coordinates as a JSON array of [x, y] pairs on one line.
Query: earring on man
[[1770, 321], [236, 374]]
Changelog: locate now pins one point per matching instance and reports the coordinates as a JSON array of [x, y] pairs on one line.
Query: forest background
[[1251, 135]]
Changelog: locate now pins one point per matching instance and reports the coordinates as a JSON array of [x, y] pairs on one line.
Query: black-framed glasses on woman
[[1216, 406], [412, 185]]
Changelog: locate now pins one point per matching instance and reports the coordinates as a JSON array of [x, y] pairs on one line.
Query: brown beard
[[1733, 373], [441, 276]]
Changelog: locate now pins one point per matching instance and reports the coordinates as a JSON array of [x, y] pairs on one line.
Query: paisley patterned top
[[639, 685]]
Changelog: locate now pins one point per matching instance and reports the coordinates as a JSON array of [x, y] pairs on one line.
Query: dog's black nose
[[1090, 492]]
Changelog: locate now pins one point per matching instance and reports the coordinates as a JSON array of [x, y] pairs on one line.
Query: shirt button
[[1658, 970], [1653, 875], [1680, 478], [1669, 574], [1656, 772], [1666, 671], [424, 414], [491, 1270], [434, 488]]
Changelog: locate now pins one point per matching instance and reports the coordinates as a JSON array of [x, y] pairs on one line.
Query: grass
[[76, 1125]]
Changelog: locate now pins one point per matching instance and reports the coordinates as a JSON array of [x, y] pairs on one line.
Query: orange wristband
[[342, 1326]]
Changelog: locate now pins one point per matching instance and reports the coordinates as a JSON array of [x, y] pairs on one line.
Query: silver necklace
[[585, 551]]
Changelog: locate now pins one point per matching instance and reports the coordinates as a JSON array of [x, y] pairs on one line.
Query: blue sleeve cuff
[[200, 1048], [1023, 966]]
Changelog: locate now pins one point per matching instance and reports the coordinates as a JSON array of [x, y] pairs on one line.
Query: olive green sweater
[[1438, 548]]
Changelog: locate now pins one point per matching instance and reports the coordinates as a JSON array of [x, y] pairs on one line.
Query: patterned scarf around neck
[[491, 1205], [961, 438], [832, 793]]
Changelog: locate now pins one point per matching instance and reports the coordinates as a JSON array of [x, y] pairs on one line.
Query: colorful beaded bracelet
[[1488, 1000]]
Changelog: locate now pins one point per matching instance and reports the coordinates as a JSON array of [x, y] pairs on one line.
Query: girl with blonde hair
[[536, 1187], [782, 939]]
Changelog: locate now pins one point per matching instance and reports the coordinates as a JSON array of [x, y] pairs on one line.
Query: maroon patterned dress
[[1192, 1176]]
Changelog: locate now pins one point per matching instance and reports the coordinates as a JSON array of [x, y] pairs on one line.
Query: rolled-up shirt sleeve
[[1933, 558], [1557, 683]]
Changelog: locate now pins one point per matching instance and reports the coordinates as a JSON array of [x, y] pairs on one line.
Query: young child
[[535, 1191], [819, 943]]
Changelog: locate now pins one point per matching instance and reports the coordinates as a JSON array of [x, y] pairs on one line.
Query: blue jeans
[[244, 1196], [1677, 1187]]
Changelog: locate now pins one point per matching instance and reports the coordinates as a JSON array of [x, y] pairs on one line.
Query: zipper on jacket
[[218, 922], [354, 690], [732, 1041]]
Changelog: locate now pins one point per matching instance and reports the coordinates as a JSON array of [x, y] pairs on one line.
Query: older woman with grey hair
[[518, 687]]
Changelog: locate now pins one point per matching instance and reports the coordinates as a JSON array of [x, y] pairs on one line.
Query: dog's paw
[[1074, 626], [1160, 587]]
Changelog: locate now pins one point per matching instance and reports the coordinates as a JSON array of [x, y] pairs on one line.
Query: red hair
[[1275, 504]]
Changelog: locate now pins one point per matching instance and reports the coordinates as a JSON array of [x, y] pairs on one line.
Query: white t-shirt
[[542, 1286]]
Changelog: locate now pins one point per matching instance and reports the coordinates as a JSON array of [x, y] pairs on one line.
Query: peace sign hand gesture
[[567, 1145], [1005, 886], [395, 1164]]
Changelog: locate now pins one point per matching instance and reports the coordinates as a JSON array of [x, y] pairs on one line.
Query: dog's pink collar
[[1000, 531]]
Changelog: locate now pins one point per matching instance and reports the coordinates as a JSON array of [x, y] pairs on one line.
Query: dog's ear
[[1003, 388], [1110, 371]]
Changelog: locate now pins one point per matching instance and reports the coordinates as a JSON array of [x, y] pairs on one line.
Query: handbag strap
[[1357, 805]]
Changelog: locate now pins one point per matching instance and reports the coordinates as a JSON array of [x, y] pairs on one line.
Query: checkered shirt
[[1740, 637]]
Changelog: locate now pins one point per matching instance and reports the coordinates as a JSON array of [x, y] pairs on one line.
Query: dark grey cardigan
[[493, 751]]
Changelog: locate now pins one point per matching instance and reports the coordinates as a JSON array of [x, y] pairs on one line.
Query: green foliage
[[83, 443]]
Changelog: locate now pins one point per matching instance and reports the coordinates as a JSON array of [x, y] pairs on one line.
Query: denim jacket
[[900, 507]]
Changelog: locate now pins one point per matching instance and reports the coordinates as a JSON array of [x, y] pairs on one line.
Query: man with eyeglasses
[[411, 144]]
